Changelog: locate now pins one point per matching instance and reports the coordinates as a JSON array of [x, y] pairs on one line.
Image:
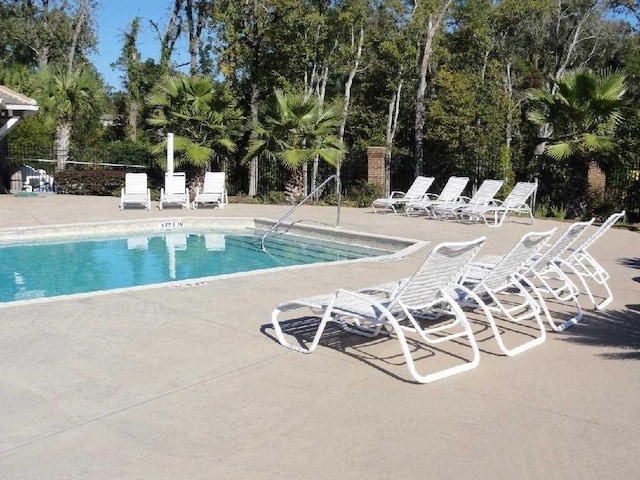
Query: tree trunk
[[321, 88], [253, 167], [294, 190], [132, 120], [83, 11], [347, 97], [392, 125], [433, 25], [62, 142], [170, 36], [195, 30]]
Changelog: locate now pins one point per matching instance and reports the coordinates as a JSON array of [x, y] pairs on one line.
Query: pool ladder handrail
[[293, 209]]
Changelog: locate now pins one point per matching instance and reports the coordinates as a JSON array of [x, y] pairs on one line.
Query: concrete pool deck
[[189, 383]]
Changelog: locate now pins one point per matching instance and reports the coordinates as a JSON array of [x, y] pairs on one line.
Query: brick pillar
[[597, 181], [375, 157]]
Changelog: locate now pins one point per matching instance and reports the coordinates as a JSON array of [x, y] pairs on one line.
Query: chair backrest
[[608, 223], [560, 245], [486, 192], [213, 182], [175, 183], [514, 261], [519, 194], [453, 189], [442, 268], [419, 187], [135, 183]]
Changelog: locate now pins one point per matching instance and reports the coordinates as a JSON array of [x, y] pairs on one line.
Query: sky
[[113, 17]]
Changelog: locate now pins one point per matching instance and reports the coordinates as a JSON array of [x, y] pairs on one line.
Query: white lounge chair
[[135, 191], [587, 268], [213, 191], [399, 199], [429, 290], [451, 193], [545, 274], [516, 202], [175, 190], [484, 196], [501, 289]]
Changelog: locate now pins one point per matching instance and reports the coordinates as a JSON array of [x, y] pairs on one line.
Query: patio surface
[[190, 384]]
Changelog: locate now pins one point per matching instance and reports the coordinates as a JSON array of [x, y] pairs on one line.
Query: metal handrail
[[293, 209]]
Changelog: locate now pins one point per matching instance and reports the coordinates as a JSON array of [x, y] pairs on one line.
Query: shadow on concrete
[[619, 329], [630, 262], [371, 351]]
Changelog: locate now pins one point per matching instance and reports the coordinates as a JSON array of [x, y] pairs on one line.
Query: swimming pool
[[47, 262]]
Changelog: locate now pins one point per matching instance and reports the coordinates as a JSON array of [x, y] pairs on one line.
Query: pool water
[[53, 268]]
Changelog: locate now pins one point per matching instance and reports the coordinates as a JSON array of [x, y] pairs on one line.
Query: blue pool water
[[69, 267]]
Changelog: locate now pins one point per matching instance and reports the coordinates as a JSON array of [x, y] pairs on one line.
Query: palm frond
[[560, 150]]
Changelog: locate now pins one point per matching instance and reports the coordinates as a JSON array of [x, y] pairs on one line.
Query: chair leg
[[529, 302], [586, 267], [571, 292], [316, 339], [447, 372]]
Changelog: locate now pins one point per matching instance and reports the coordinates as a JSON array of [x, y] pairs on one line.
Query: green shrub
[[542, 211], [363, 194], [90, 182], [274, 197], [243, 198], [559, 212]]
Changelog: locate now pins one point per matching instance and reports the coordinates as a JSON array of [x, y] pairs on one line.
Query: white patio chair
[[399, 199], [175, 190], [213, 191], [545, 274], [500, 289], [451, 193], [484, 196], [429, 290], [516, 202], [587, 268], [135, 191]]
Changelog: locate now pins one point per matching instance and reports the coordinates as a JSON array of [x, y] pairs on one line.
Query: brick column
[[375, 172]]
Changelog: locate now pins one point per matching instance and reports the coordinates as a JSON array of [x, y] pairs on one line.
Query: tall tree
[[67, 96], [131, 65], [39, 32]]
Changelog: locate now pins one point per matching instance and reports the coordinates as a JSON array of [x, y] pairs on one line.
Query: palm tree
[[294, 129], [203, 117], [67, 96], [582, 115]]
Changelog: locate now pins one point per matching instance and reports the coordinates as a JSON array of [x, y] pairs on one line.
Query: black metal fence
[[622, 182]]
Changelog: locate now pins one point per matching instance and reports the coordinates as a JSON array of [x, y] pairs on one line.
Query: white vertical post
[[170, 153]]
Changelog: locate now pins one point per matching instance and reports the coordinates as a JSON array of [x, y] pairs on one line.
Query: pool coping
[[403, 247]]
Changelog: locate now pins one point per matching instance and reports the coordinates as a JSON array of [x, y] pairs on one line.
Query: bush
[[243, 198], [90, 182], [274, 197], [363, 194], [122, 153]]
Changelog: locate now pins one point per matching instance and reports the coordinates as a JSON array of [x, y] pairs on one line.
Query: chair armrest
[[396, 192], [430, 196]]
